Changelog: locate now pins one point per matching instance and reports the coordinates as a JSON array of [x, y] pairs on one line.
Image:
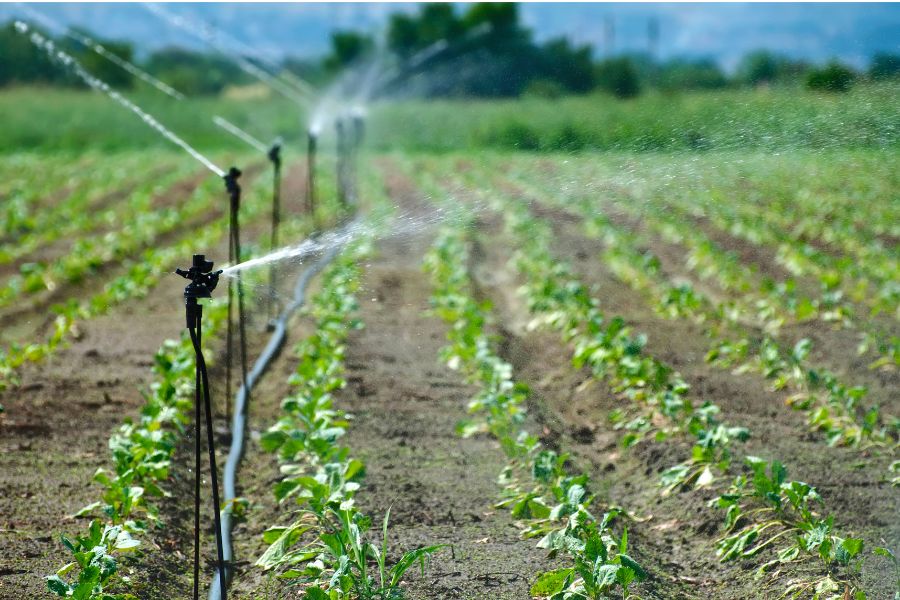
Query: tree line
[[441, 51]]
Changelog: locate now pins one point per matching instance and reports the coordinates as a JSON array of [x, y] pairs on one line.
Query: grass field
[[642, 349]]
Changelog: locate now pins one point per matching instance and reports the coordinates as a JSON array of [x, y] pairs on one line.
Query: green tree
[[833, 77], [347, 47], [102, 67], [503, 17], [618, 77], [682, 74], [764, 67], [571, 67], [22, 62], [193, 72], [884, 66], [758, 67]]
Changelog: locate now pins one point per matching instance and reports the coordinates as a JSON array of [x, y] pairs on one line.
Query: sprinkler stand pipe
[[274, 155], [341, 131], [202, 283], [311, 149], [234, 197]]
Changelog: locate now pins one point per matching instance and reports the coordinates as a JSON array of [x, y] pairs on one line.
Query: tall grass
[[54, 120], [769, 119], [868, 116]]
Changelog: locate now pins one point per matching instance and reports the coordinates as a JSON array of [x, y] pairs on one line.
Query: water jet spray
[[102, 51], [274, 82], [67, 60]]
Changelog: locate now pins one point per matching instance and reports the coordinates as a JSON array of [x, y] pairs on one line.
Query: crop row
[[550, 504], [819, 231], [328, 547], [142, 453], [139, 229], [29, 181], [140, 275], [78, 214], [780, 516], [674, 217], [741, 335]]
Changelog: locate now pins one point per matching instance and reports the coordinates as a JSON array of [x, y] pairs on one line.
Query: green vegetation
[[142, 453], [320, 474], [773, 119], [548, 502], [765, 511], [65, 122], [54, 121]]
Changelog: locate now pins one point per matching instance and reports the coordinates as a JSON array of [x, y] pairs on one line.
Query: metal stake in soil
[[312, 143], [341, 162], [234, 251], [202, 282], [357, 135], [275, 157]]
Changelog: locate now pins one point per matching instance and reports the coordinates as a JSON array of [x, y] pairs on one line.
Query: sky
[[724, 32]]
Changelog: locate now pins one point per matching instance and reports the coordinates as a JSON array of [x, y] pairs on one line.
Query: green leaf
[[276, 552], [409, 559], [551, 582], [885, 552], [629, 562], [58, 586], [315, 593], [606, 576]]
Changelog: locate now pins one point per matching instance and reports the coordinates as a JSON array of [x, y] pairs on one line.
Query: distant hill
[[725, 32]]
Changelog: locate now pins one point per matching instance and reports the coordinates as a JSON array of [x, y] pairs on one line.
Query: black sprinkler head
[[202, 279], [231, 183], [275, 152]]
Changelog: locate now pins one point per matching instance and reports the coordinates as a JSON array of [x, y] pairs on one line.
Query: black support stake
[[341, 131], [202, 282], [312, 143], [275, 157], [234, 197], [357, 136]]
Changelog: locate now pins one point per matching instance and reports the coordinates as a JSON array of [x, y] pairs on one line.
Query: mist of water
[[205, 35], [101, 50], [397, 226], [76, 68], [240, 133]]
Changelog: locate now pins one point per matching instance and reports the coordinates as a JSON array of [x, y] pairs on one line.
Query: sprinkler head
[[275, 152], [231, 178], [202, 278]]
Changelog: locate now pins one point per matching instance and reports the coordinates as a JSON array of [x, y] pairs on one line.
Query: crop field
[[602, 356]]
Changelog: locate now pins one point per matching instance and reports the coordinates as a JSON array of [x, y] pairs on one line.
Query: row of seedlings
[[87, 207], [89, 254], [37, 188], [140, 276], [744, 335], [328, 548], [550, 503], [764, 510], [781, 516], [142, 453], [773, 304]]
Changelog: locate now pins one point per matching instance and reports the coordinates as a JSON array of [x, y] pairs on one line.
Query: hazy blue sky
[[850, 31]]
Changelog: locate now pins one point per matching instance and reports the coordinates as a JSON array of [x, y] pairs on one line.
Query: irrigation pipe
[[239, 421]]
